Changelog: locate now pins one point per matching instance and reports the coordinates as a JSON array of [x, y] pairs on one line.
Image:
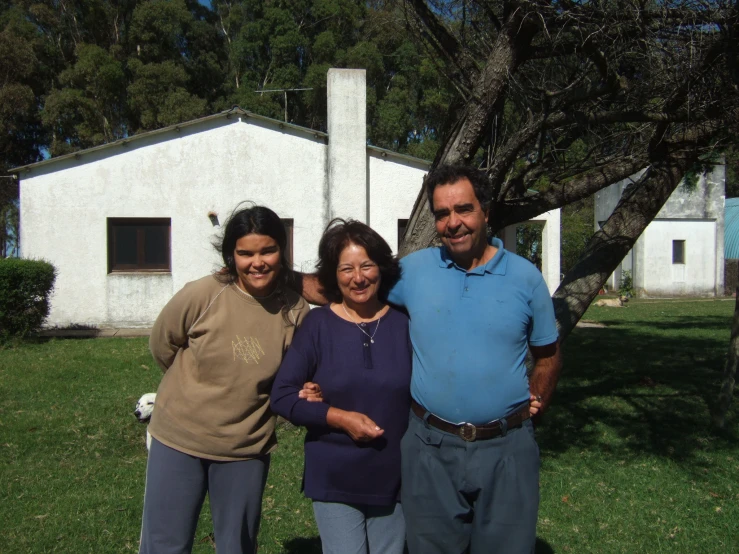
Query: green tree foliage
[[80, 73], [577, 229], [732, 172], [291, 45], [88, 108]]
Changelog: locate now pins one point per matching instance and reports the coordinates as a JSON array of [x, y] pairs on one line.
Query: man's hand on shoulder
[[307, 286]]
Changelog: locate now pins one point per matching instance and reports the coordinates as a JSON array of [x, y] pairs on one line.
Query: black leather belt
[[471, 432]]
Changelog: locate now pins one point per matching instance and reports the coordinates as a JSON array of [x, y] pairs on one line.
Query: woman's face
[[257, 260], [358, 276]]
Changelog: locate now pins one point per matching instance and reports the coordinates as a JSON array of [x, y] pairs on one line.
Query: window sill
[[141, 272]]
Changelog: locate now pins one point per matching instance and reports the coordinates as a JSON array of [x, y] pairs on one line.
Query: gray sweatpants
[[176, 484]]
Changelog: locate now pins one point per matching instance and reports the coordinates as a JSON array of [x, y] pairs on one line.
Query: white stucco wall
[[658, 276], [551, 245], [211, 165], [65, 206], [347, 149], [394, 184], [692, 213]]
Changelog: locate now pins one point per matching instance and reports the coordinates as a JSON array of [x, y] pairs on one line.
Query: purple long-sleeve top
[[358, 375]]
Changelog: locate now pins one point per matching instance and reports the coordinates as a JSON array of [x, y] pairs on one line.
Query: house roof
[[227, 114], [731, 229]]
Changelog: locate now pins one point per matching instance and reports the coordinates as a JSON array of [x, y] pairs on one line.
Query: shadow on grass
[[629, 390], [313, 546], [303, 545], [674, 323], [542, 547]]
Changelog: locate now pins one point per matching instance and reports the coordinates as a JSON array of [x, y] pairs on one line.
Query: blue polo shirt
[[470, 331]]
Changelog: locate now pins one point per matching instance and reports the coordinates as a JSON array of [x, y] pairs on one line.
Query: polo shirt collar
[[496, 265]]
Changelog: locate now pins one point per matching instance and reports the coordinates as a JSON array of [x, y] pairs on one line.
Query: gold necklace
[[372, 336]]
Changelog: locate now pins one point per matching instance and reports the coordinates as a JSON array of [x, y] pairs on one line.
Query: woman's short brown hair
[[340, 233]]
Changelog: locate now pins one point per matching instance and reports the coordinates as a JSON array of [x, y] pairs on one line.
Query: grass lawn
[[629, 463]]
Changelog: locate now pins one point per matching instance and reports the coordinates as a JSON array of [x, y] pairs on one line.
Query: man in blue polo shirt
[[470, 460]]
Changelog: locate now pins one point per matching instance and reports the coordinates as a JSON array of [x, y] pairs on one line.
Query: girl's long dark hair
[[258, 220]]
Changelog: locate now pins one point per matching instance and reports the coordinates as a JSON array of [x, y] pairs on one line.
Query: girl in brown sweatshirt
[[219, 341]]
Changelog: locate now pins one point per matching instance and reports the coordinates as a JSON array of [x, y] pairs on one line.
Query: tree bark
[[726, 392], [561, 194], [465, 138], [640, 203]]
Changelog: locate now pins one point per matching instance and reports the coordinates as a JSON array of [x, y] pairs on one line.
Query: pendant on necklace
[[372, 341]]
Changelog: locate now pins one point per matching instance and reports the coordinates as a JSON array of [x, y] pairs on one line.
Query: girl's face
[[257, 260]]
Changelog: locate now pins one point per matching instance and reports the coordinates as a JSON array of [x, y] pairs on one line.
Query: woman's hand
[[311, 392], [535, 404], [358, 426]]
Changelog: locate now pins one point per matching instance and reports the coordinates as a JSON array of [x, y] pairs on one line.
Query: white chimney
[[347, 144]]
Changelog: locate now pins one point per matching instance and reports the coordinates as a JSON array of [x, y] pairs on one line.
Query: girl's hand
[[311, 392]]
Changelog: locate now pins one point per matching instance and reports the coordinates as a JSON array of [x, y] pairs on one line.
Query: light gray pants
[[360, 529], [176, 485]]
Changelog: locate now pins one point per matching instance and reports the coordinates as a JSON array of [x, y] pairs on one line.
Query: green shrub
[[25, 288], [627, 284]]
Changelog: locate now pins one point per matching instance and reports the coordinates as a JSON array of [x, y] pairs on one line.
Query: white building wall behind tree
[[681, 252], [696, 276], [194, 174], [390, 199], [200, 169]]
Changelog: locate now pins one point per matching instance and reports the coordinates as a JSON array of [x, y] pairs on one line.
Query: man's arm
[[544, 376], [307, 286]]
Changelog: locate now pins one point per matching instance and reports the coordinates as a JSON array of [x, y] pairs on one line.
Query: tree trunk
[[639, 205], [726, 392], [465, 138]]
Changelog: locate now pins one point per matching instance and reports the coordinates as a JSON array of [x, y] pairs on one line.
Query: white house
[[681, 252], [128, 223]]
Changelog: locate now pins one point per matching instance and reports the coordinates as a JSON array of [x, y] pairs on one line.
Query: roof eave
[[128, 140]]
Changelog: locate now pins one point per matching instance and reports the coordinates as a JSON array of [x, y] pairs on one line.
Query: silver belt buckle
[[467, 431]]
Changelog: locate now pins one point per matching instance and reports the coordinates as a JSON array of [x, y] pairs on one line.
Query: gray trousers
[[359, 528], [479, 497], [176, 484]]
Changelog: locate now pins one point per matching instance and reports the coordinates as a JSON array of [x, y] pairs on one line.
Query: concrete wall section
[[551, 239], [694, 213], [393, 188], [64, 213], [716, 188], [700, 200], [347, 149], [696, 277], [211, 166]]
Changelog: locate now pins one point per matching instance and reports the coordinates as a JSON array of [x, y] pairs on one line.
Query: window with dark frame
[[402, 226], [678, 251], [139, 244], [289, 225]]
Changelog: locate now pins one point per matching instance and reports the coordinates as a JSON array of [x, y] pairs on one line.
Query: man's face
[[460, 221]]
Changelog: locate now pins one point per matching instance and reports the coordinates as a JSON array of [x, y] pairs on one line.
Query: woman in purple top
[[357, 349]]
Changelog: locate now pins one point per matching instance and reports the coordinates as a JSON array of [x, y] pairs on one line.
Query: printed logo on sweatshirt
[[248, 349]]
